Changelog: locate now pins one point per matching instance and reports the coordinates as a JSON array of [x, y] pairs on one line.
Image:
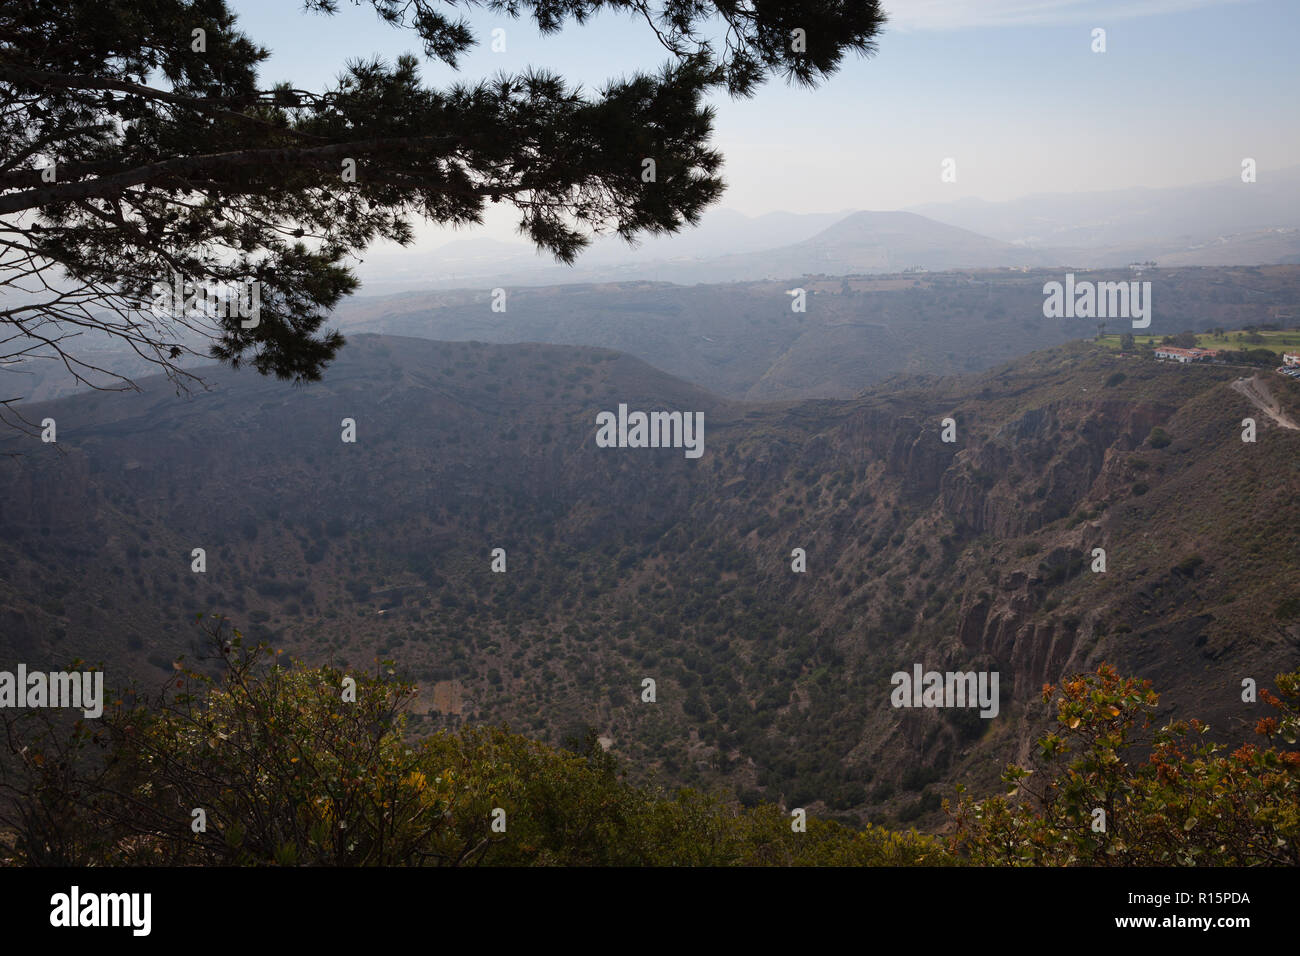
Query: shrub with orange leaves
[[1188, 804]]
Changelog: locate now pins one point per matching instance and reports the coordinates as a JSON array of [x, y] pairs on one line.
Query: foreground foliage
[[1189, 803], [286, 771], [275, 763]]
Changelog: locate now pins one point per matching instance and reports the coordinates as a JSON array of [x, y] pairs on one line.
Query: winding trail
[[1259, 395]]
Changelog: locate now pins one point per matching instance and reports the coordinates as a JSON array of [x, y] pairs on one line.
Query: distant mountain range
[[864, 243], [742, 339], [1222, 223], [1123, 217], [693, 323]]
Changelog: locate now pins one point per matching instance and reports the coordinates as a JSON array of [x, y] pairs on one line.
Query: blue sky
[[1010, 89]]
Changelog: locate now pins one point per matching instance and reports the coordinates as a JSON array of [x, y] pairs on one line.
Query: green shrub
[[289, 772]]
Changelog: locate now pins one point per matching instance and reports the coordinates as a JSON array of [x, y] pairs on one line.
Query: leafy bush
[[1188, 804], [288, 772], [1287, 609], [1159, 438]]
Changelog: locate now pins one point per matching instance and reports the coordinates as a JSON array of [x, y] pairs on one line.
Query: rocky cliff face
[[1065, 536]]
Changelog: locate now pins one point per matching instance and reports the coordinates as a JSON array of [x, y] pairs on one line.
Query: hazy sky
[[1010, 89]]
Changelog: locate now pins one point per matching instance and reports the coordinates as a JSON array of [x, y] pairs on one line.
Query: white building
[[1184, 355]]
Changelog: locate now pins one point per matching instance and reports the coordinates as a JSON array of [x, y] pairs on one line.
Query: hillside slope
[[742, 340], [625, 564]]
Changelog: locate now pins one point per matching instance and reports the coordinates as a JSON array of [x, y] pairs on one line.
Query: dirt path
[[1257, 391]]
